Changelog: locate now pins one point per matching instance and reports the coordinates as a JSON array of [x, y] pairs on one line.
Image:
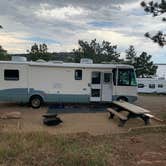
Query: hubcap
[[36, 102]]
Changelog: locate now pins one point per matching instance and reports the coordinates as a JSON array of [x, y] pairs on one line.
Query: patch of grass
[[44, 149], [147, 129], [163, 116]]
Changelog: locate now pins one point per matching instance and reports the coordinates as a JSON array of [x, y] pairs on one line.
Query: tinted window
[[114, 76], [11, 75], [107, 77], [96, 77], [152, 86], [133, 81], [78, 74], [140, 85], [126, 77], [95, 92], [160, 85]]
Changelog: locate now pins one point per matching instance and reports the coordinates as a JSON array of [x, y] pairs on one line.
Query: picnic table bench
[[121, 117], [133, 112]]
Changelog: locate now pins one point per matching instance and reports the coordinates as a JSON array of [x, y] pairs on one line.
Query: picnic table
[[133, 112]]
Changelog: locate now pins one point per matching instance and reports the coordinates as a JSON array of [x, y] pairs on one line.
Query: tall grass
[[44, 149]]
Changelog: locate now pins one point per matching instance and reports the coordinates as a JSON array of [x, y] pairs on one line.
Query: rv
[[151, 85], [44, 82]]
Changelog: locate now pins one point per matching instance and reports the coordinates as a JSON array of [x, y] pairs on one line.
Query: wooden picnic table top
[[131, 107]]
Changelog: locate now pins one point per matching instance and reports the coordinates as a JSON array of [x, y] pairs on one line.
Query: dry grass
[[43, 149]]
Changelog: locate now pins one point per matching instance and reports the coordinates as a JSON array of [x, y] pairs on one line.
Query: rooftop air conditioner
[[19, 59], [86, 61], [56, 61], [41, 60]]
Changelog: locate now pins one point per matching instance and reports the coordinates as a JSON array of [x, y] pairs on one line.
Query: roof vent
[[19, 58], [41, 60], [86, 61]]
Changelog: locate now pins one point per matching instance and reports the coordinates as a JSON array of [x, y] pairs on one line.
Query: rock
[[135, 140], [11, 115], [153, 156]]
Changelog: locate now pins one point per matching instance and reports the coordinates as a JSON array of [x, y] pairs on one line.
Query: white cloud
[[13, 43], [68, 47], [129, 6], [107, 34], [68, 21], [61, 13]]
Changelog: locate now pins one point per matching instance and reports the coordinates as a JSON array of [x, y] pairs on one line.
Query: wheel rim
[[36, 102]]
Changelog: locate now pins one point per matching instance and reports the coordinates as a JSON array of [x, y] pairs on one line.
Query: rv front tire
[[36, 101], [122, 98]]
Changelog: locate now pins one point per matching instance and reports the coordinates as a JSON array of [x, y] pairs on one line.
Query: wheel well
[[33, 96], [122, 98]]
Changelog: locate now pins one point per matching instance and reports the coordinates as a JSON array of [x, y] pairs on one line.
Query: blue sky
[[60, 24]]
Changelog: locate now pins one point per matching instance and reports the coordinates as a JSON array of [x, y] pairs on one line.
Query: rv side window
[[95, 92], [78, 74], [96, 77], [123, 77], [133, 81], [160, 85], [140, 85], [126, 77], [152, 86], [107, 77], [11, 75]]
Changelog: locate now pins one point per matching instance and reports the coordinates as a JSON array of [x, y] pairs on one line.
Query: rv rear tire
[[36, 101]]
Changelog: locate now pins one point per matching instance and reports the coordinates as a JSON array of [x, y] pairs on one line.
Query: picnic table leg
[[146, 119], [111, 116], [119, 109], [122, 123], [131, 115]]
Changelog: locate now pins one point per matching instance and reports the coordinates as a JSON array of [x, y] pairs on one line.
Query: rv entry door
[[106, 86], [95, 86]]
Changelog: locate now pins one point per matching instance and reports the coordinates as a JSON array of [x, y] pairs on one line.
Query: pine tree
[[98, 52], [144, 66], [131, 55], [156, 9]]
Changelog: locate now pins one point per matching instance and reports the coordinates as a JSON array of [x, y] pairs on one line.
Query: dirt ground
[[86, 134], [93, 123]]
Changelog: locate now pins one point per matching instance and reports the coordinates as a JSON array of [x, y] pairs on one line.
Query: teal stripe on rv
[[22, 95], [14, 95], [67, 98], [64, 98]]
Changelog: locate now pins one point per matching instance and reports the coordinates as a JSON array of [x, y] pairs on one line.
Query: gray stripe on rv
[[22, 95]]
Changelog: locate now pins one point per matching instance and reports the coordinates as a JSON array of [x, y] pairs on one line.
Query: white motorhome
[[151, 85], [58, 82]]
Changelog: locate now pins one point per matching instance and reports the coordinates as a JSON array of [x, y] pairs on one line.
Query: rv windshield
[[126, 77]]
